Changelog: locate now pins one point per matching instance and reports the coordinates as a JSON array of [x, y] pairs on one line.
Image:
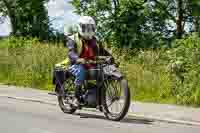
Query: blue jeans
[[79, 72]]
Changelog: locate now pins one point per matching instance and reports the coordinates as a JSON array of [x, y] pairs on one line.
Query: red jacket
[[88, 53]]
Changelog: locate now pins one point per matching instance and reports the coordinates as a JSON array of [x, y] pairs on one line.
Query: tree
[[195, 5], [28, 18], [125, 23], [8, 8], [183, 13], [141, 23], [179, 21]]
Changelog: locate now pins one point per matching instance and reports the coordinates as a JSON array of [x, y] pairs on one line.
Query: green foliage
[[127, 23], [30, 65], [33, 19], [164, 75], [195, 4], [184, 65], [28, 18], [20, 42], [139, 23]]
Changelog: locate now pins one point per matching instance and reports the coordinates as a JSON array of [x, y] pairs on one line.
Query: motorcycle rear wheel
[[63, 101]]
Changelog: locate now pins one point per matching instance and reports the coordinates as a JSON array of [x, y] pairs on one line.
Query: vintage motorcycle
[[105, 89]]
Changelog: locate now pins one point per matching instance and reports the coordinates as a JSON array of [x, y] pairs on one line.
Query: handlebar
[[94, 62], [99, 60], [103, 57]]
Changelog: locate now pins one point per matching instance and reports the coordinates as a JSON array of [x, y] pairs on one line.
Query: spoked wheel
[[116, 99], [65, 102]]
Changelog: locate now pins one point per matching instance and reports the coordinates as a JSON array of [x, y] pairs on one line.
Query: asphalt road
[[28, 117]]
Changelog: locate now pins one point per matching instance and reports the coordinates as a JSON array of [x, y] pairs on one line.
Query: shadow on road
[[137, 121], [129, 120]]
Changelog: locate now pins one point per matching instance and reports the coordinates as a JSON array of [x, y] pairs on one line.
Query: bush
[[165, 75], [185, 62], [19, 42]]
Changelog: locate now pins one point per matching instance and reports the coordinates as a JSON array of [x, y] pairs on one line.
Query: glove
[[81, 60]]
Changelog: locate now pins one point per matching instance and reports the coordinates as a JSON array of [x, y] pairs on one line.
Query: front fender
[[111, 71], [116, 75]]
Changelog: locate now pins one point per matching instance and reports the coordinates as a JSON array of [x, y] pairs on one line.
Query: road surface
[[18, 116]]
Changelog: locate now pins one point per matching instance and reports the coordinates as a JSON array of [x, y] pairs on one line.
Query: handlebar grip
[[103, 57], [94, 62], [99, 60]]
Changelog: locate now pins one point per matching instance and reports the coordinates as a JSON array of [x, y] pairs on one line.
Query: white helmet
[[86, 27]]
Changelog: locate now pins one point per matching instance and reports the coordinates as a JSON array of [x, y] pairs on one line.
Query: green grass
[[31, 66], [147, 71]]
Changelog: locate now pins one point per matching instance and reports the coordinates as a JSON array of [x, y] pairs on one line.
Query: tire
[[63, 107], [123, 112], [69, 109]]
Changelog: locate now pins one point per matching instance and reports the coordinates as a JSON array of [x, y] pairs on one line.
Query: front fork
[[100, 90]]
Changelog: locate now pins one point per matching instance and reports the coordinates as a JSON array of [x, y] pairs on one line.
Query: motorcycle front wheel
[[116, 99]]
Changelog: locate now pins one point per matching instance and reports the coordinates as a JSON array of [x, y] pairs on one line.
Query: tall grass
[[166, 75], [147, 74], [30, 66], [162, 75]]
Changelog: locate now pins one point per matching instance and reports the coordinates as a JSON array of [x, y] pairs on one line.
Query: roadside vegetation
[[163, 75], [157, 43], [27, 62]]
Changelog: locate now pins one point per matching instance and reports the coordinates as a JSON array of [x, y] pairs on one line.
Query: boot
[[77, 100], [61, 91]]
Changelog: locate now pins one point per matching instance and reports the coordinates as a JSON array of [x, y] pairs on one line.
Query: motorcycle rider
[[83, 46]]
